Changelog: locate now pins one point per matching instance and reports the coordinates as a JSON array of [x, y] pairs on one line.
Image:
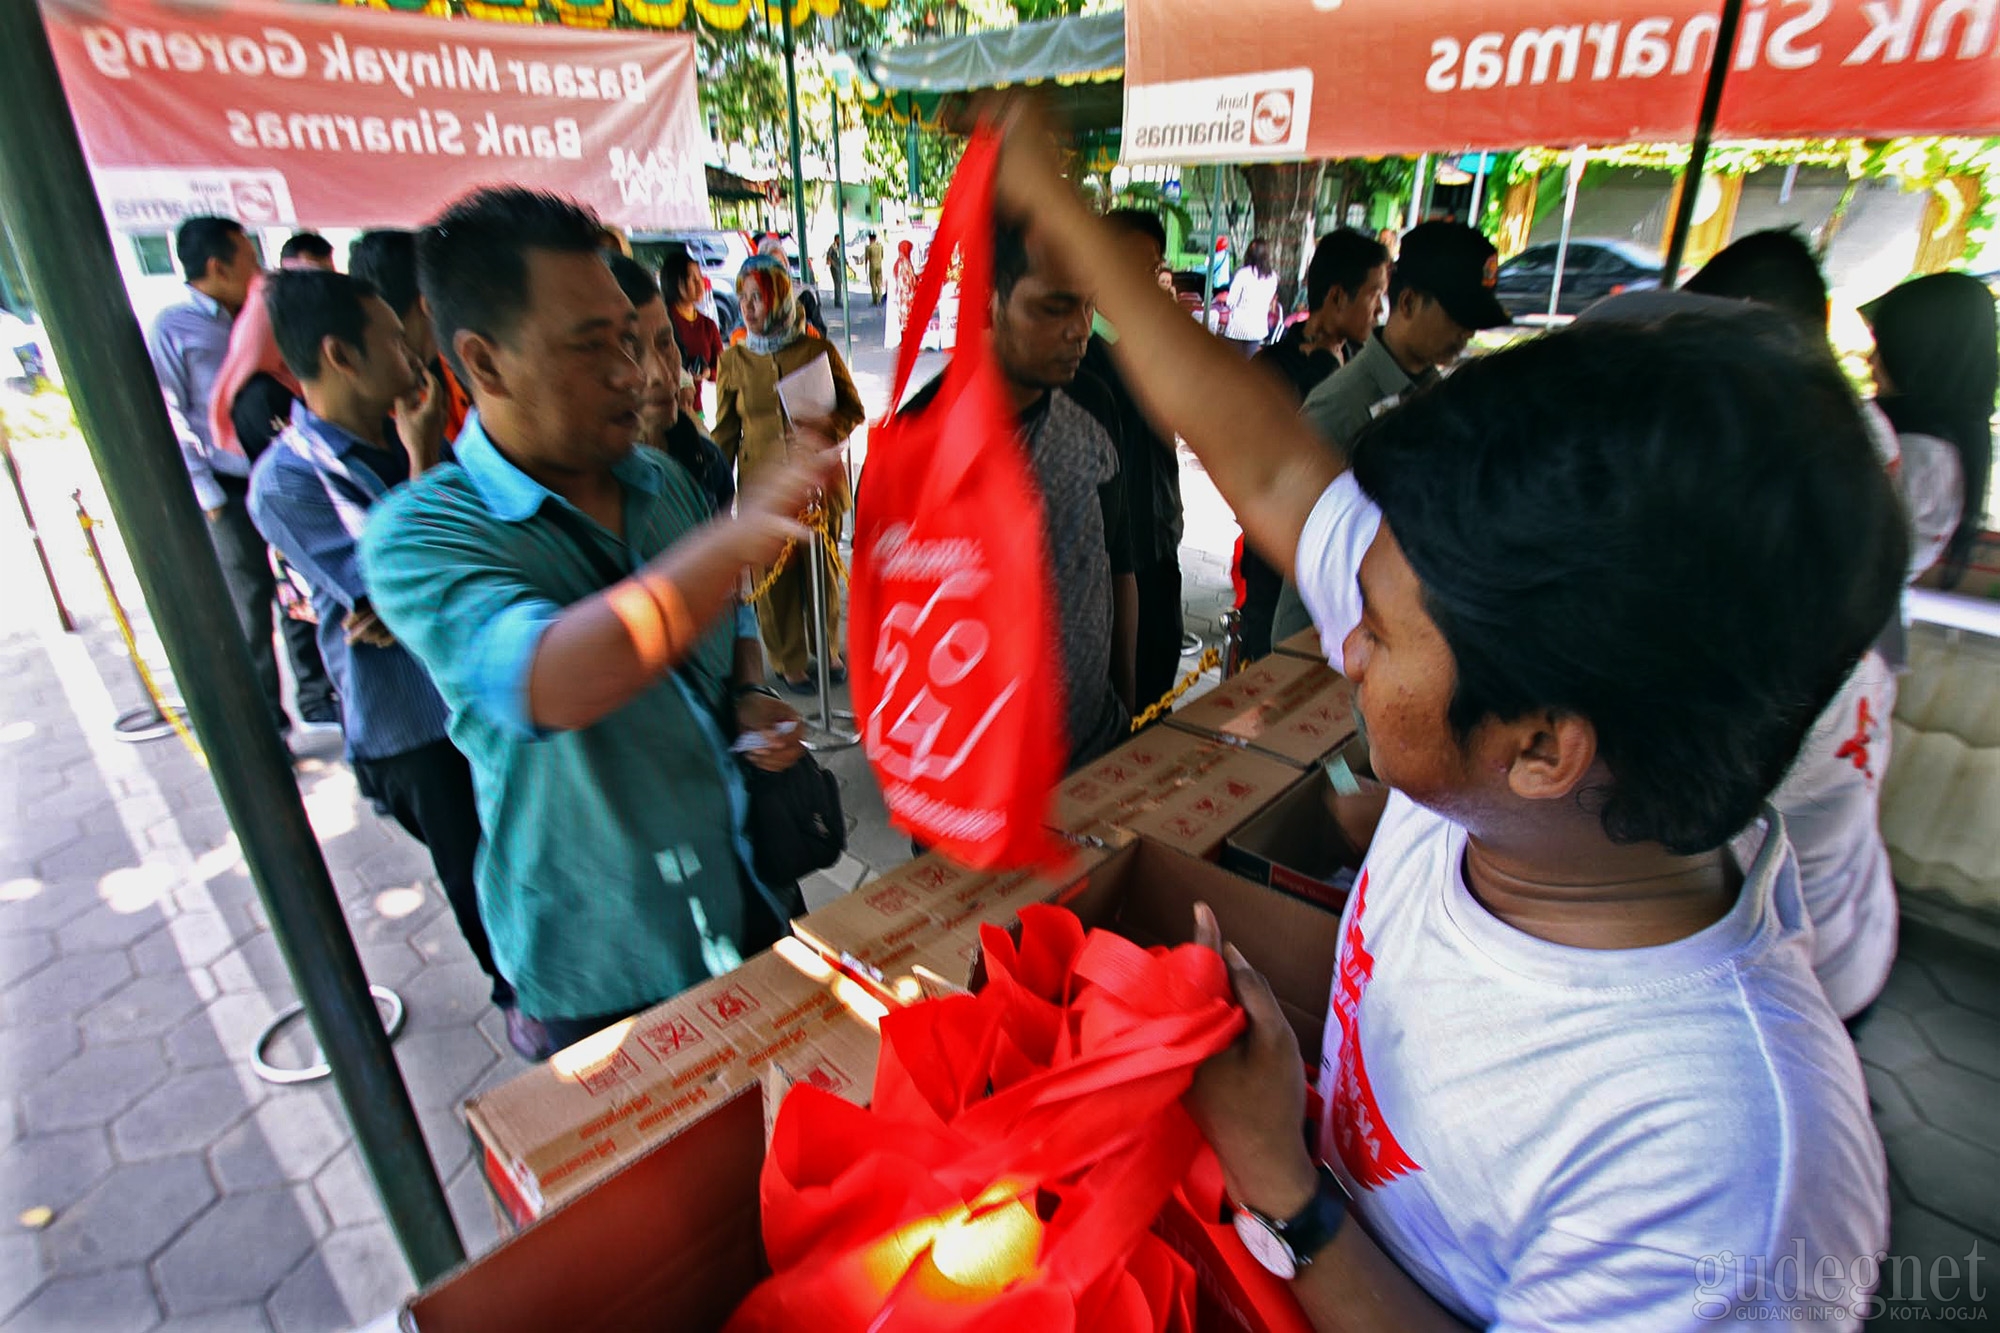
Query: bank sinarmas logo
[[1271, 117]]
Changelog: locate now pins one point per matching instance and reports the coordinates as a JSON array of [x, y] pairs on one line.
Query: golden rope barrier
[[1210, 660], [151, 686], [816, 518]]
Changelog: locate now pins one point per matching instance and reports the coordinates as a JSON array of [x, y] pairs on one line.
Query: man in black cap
[[1440, 294]]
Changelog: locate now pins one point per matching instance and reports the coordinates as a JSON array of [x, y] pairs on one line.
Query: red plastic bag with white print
[[953, 640]]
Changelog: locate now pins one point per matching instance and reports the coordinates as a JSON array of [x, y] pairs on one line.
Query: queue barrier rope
[[1210, 661]]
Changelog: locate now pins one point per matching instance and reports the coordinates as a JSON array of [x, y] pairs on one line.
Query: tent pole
[[1417, 190], [1214, 235], [1569, 216], [1704, 134], [910, 154], [841, 281], [798, 164], [51, 210], [1478, 190]]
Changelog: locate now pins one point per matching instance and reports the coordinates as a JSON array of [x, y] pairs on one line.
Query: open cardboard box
[[556, 1128], [671, 1239], [1186, 791], [1297, 845], [1306, 643], [1282, 706]]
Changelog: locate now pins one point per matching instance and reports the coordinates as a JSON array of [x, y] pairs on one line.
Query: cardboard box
[[1287, 707], [1147, 893], [925, 910], [1177, 788], [672, 1238], [557, 1128], [1296, 846], [1307, 644]]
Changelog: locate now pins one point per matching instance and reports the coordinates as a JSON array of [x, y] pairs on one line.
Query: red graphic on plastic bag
[[1855, 748], [1367, 1146], [953, 638]]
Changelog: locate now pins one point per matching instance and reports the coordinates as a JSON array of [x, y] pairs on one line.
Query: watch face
[[1266, 1246]]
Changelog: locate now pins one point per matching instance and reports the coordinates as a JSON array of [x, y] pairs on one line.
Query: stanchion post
[[63, 617], [50, 209]]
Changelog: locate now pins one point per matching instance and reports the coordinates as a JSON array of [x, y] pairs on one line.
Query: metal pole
[[34, 533], [52, 212], [1569, 215], [1478, 190], [910, 154], [1704, 134], [828, 735], [1214, 235], [841, 280], [1417, 190], [798, 163]]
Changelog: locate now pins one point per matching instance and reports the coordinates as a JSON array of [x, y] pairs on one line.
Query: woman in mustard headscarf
[[754, 430]]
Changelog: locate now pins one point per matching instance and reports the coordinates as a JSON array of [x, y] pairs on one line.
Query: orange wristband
[[656, 619]]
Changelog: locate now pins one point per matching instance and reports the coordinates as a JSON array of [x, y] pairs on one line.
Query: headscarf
[[253, 350], [1936, 337], [768, 275]]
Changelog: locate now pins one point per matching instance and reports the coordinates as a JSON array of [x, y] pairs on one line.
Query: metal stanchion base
[[822, 738], [146, 723], [392, 1023]]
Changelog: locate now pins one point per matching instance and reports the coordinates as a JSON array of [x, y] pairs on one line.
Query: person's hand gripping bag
[[953, 636]]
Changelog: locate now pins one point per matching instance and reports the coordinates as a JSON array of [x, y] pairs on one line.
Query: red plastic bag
[[953, 636], [1020, 1145]]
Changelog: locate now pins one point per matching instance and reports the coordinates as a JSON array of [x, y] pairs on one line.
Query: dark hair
[[1937, 340], [472, 263], [306, 245], [387, 259], [674, 267], [201, 240], [309, 305], [1343, 258], [1010, 254], [1774, 267], [1678, 530], [1140, 222], [633, 280], [1257, 255]]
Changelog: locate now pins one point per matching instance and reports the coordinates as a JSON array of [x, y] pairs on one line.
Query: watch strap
[[1313, 1228]]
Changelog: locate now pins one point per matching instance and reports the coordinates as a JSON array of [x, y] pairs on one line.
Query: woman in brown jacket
[[754, 431]]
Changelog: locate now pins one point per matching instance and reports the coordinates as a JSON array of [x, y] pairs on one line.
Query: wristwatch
[[1284, 1248]]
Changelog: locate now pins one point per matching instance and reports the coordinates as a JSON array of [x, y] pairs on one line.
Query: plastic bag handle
[[965, 225]]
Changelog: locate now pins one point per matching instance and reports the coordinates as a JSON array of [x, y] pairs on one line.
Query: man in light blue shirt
[[577, 606], [188, 343]]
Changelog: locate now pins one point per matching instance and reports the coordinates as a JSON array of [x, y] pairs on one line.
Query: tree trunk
[[1282, 194]]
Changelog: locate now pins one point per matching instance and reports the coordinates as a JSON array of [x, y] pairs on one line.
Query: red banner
[[290, 113], [1263, 80]]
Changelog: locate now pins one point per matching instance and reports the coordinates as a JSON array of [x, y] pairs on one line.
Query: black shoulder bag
[[796, 823]]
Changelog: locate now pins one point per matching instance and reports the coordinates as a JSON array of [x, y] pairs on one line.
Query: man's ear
[[1552, 754], [338, 354], [480, 358]]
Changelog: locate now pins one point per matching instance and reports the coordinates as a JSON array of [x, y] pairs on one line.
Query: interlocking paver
[[130, 1215], [22, 1270], [222, 1032], [1969, 1040], [109, 930], [94, 1086], [287, 1140], [1890, 1039], [357, 1268], [236, 1252], [143, 1007], [184, 1114], [23, 954], [30, 1050], [1949, 1176], [121, 1299], [447, 995], [345, 1190], [51, 1170], [441, 1067], [68, 985]]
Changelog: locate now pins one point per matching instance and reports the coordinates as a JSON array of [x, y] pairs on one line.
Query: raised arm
[[1265, 461]]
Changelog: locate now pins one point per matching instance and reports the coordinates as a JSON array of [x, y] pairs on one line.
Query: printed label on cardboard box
[[1297, 710]]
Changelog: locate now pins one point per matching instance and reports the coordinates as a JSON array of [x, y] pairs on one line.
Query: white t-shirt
[[1250, 297], [1547, 1137], [1831, 801]]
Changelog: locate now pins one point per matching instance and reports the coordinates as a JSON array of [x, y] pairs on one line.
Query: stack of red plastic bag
[[1021, 1145]]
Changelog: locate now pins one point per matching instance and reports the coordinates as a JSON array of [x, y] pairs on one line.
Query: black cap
[[1456, 266]]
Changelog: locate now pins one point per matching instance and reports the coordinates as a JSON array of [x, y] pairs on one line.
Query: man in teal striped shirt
[[578, 610]]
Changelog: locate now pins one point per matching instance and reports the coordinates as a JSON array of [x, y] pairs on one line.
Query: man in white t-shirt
[[1578, 1073]]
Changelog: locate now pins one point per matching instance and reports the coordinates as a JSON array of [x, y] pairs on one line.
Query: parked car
[[720, 254], [1592, 270]]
